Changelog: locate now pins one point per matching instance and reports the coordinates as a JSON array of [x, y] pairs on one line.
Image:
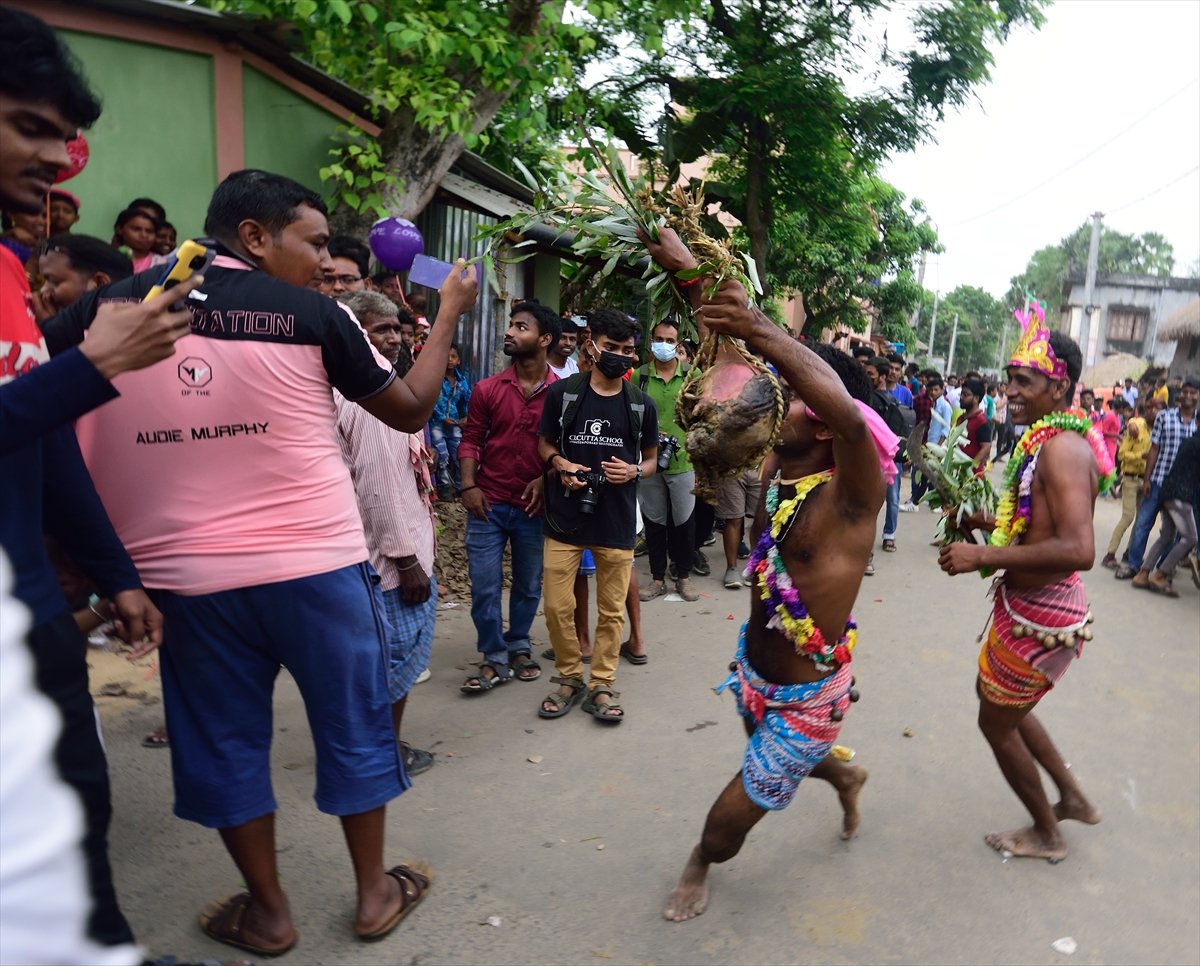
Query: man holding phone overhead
[[256, 548]]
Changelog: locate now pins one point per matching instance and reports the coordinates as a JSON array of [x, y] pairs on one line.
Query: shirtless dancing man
[[814, 529], [1040, 617]]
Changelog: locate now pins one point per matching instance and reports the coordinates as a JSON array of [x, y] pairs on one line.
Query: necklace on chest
[[786, 612]]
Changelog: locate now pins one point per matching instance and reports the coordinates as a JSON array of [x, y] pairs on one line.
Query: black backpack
[[635, 403], [899, 419]]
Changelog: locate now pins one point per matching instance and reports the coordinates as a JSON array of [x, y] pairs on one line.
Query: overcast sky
[[1056, 96]]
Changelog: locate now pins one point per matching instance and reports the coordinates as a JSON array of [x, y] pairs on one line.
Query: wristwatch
[[639, 471]]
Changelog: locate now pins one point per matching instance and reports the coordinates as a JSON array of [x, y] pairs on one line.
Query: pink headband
[[886, 442]]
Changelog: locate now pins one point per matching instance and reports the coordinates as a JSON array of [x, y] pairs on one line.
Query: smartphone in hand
[[189, 258]]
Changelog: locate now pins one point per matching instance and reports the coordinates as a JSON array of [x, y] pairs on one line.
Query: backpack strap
[[635, 404]]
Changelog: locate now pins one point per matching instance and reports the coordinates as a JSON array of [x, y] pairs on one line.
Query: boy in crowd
[[72, 265]]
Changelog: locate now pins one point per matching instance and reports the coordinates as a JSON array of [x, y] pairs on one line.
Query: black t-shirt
[[602, 428]]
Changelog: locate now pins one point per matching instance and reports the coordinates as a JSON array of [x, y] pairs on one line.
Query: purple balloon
[[396, 242]]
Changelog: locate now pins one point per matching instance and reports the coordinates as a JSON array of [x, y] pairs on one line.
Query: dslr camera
[[594, 483], [668, 446]]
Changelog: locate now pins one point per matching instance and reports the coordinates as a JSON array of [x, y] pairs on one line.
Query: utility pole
[[916, 314], [932, 327], [953, 339], [1003, 345], [1089, 293]]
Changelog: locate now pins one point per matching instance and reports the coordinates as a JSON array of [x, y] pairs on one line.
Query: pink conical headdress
[[1034, 351]]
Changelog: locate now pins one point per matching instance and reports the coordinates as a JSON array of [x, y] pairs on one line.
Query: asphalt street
[[557, 841]]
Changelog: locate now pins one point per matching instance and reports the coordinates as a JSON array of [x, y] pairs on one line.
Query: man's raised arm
[[860, 480], [406, 404]]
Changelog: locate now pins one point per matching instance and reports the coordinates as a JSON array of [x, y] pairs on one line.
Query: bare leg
[[398, 714], [848, 780], [268, 920], [582, 632], [633, 605], [731, 536], [1072, 804], [729, 821], [1042, 839], [379, 895]]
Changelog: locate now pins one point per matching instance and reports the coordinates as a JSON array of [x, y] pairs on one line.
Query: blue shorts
[[411, 638], [587, 564], [221, 654], [793, 728]]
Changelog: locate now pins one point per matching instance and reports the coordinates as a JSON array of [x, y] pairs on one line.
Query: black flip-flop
[[631, 657]]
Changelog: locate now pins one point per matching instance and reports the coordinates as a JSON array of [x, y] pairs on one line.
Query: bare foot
[[848, 796], [690, 897], [1077, 809], [1029, 843]]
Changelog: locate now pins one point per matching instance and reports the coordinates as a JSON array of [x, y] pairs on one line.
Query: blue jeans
[[891, 518], [506, 524], [1147, 514], [445, 441]]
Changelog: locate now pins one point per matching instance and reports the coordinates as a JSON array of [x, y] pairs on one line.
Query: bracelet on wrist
[[415, 563], [687, 283], [473, 486]]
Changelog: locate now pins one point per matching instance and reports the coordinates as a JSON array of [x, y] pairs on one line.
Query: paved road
[[575, 854]]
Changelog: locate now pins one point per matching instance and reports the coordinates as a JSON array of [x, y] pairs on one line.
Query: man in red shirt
[[979, 427], [502, 491]]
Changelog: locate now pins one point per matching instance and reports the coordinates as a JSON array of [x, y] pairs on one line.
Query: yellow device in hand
[[189, 257]]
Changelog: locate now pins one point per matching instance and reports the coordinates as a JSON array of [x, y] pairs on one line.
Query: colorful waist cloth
[[1034, 637], [795, 727]]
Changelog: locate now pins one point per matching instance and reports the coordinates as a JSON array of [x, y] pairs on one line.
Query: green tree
[[983, 322], [438, 73], [798, 101], [856, 262], [1046, 274]]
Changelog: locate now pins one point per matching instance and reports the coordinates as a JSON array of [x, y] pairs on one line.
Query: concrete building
[[1128, 312]]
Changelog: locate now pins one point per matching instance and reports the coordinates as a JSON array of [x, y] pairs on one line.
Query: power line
[[1151, 194], [1080, 160]]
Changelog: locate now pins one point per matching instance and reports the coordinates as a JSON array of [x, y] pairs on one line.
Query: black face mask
[[613, 365]]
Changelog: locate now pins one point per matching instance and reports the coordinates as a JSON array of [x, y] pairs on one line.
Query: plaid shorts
[[410, 638]]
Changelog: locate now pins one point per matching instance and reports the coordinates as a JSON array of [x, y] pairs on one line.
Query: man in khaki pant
[[1131, 462], [597, 438]]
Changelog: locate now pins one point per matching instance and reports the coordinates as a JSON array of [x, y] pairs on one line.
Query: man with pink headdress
[[1041, 537], [814, 530]]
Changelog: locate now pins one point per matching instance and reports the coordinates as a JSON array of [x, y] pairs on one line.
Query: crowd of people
[[311, 415]]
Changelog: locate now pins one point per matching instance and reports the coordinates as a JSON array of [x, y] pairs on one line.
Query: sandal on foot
[[524, 667], [157, 738], [889, 546], [478, 683], [413, 887], [548, 654], [563, 703], [225, 919], [603, 710], [632, 658]]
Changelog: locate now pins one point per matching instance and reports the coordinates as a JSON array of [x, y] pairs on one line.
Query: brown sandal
[[225, 919], [419, 881]]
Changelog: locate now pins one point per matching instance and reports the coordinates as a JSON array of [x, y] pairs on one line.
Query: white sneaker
[[909, 507], [423, 676]]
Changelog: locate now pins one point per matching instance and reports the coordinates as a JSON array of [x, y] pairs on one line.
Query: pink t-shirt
[[220, 466]]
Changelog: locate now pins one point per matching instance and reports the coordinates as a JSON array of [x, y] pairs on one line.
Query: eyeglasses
[[344, 279]]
